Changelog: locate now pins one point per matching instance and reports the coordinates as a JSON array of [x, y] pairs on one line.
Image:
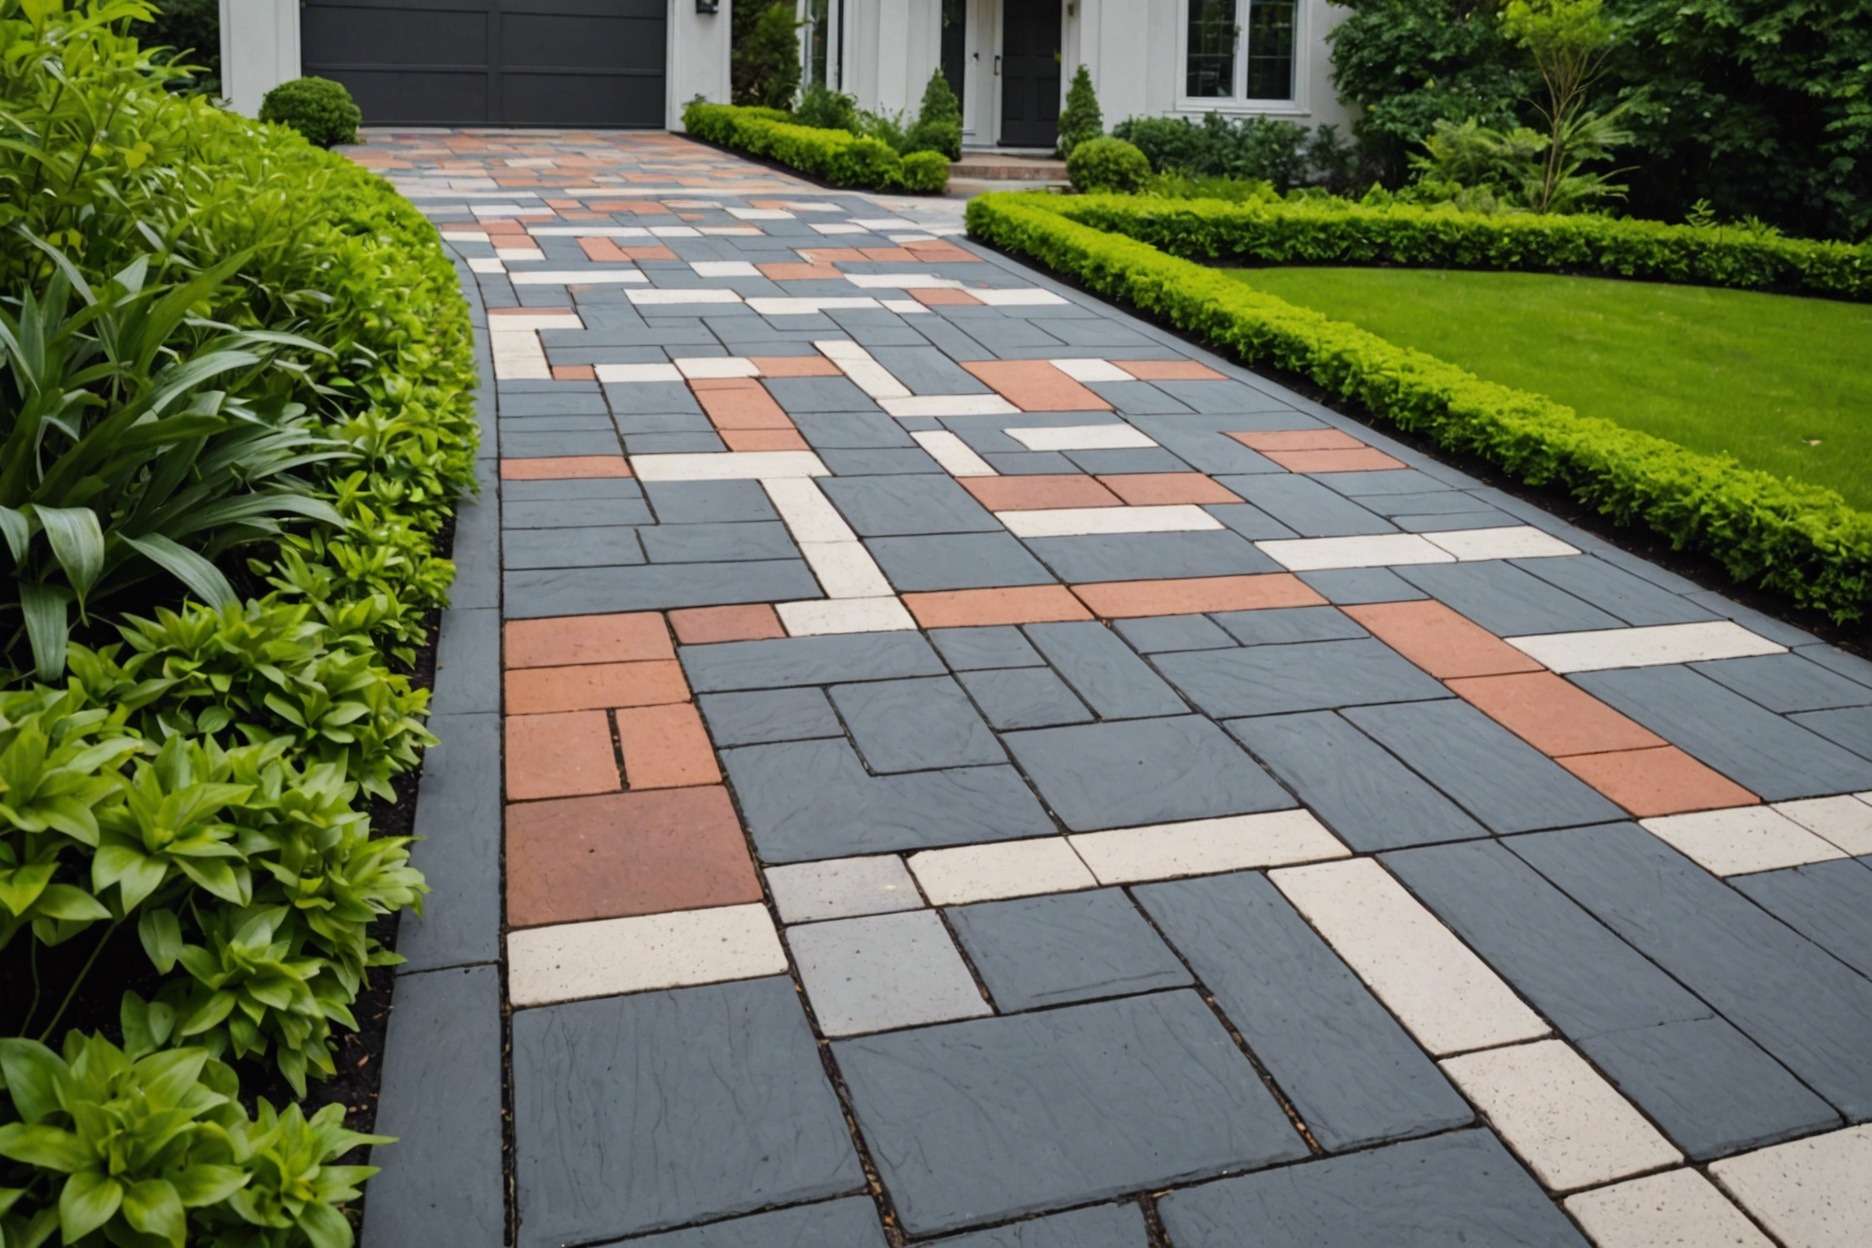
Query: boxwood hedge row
[[835, 156], [1799, 541]]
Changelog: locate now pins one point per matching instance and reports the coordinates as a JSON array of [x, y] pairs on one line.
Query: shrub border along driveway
[[1801, 542], [837, 157]]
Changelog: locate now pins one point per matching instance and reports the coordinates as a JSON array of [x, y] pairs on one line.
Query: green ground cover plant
[[836, 156], [1803, 542], [236, 398], [1782, 384]]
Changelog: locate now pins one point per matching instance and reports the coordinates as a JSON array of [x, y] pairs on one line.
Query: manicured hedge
[[834, 156], [1799, 541], [1327, 231], [188, 797]]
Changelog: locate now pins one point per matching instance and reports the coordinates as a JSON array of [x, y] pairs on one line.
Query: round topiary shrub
[[1107, 165], [865, 162], [318, 108], [925, 173]]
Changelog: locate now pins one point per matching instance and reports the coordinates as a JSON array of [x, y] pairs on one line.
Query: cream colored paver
[[727, 466], [813, 617], [1843, 821], [1092, 370], [1812, 1193], [1448, 998], [1165, 851], [630, 374], [808, 513], [578, 277], [957, 458], [611, 956], [966, 873], [846, 570], [1522, 541], [940, 405], [1676, 1209], [1570, 1125], [1742, 839], [1320, 554], [1644, 647], [1113, 437], [1079, 521], [659, 296], [716, 367]]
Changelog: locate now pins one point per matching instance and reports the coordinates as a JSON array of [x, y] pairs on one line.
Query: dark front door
[[1030, 72], [492, 62]]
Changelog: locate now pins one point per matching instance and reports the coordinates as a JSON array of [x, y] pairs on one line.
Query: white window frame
[[1235, 101], [835, 72]]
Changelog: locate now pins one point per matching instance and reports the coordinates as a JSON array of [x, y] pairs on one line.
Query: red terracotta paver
[[1037, 386], [941, 253], [1124, 600], [1038, 492], [764, 440], [1366, 459], [1298, 440], [1553, 716], [574, 372], [602, 251], [560, 755], [892, 255], [665, 747], [1440, 641], [831, 255], [794, 365], [739, 403], [1026, 604], [571, 640], [1169, 370], [537, 690], [648, 251], [564, 468], [700, 626], [943, 297], [625, 853], [1165, 489], [1662, 781]]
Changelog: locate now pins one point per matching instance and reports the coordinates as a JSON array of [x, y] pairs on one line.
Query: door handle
[[997, 71]]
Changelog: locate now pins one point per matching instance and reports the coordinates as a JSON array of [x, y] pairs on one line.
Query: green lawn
[[1784, 384]]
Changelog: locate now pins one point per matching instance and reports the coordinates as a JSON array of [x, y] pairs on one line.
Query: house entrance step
[[998, 167]]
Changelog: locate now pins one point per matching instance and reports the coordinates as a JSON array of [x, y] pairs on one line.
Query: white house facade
[[635, 62]]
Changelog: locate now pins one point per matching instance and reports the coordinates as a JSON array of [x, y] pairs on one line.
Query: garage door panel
[[419, 97], [360, 34], [493, 62], [574, 100], [548, 41]]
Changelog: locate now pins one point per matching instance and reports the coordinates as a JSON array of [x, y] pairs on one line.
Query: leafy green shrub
[[1229, 190], [1080, 121], [764, 65], [318, 108], [1332, 231], [149, 1145], [1799, 541], [835, 156], [1107, 165], [1256, 148], [925, 173], [192, 29], [939, 121], [886, 128], [825, 109]]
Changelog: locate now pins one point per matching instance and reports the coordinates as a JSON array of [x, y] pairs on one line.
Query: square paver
[[915, 725], [599, 1150], [883, 971], [1676, 1209], [961, 561], [1024, 698], [1143, 771], [980, 1121], [841, 888], [1162, 633], [765, 715], [967, 649], [1461, 1188], [1041, 951]]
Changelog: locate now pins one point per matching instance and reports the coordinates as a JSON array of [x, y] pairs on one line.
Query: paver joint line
[[950, 729]]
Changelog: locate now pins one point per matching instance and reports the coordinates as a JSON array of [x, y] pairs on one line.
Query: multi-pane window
[[1239, 49]]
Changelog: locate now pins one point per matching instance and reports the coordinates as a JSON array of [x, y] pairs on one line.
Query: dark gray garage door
[[492, 62]]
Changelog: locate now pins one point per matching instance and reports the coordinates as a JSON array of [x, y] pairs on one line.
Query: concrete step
[[996, 167]]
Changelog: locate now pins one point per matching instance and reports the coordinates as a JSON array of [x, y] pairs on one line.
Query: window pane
[[1271, 50], [816, 53], [1210, 70]]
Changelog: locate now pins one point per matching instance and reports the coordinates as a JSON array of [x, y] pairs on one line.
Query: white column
[[698, 56], [259, 49]]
